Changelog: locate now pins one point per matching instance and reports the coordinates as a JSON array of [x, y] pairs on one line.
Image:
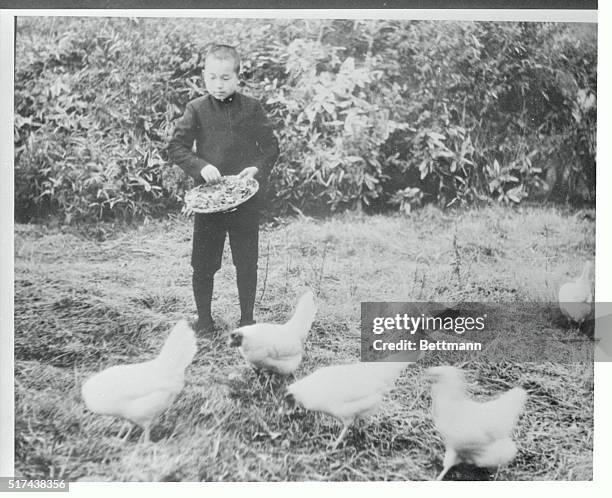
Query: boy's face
[[220, 78]]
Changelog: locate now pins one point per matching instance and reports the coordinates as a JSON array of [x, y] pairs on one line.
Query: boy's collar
[[227, 100]]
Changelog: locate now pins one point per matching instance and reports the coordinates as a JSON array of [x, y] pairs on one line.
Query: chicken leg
[[450, 459], [146, 434], [128, 431], [124, 427], [341, 436]]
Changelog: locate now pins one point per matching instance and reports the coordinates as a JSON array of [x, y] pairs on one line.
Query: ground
[[83, 303]]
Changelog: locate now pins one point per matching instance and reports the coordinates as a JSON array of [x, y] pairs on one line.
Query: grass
[[83, 304]]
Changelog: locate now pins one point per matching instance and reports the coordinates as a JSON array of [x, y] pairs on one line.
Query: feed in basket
[[228, 193]]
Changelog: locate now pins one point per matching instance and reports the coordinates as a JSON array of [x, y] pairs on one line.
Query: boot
[[202, 292], [247, 288]]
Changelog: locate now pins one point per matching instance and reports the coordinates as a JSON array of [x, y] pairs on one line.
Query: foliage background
[[377, 115]]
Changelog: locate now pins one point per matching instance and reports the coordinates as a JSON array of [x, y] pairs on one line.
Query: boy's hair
[[224, 53]]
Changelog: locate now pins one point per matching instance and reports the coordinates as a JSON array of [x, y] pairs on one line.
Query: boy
[[232, 137]]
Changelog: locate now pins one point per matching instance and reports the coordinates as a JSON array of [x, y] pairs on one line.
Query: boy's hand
[[210, 174], [186, 211], [249, 172]]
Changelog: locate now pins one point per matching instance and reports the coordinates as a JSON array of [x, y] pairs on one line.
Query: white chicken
[[346, 392], [139, 392], [603, 332], [474, 432], [277, 347], [575, 298]]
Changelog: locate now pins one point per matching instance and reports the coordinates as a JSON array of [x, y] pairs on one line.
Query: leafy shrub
[[374, 114]]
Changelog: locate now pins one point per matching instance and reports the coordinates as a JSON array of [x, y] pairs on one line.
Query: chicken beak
[[285, 410], [288, 405], [235, 339]]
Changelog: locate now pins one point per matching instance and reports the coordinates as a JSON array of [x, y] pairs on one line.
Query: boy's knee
[[206, 262], [203, 271], [246, 267]]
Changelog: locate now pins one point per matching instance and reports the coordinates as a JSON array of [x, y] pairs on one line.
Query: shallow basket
[[225, 195]]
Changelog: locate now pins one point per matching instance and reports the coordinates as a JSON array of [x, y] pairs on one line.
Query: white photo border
[[603, 371]]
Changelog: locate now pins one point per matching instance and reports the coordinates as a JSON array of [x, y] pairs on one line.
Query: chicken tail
[[390, 369], [496, 454], [508, 407], [304, 313], [180, 347]]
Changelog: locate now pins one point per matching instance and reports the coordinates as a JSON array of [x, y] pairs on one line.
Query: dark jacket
[[231, 135]]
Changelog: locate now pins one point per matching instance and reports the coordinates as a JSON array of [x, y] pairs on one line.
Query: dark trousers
[[242, 226]]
